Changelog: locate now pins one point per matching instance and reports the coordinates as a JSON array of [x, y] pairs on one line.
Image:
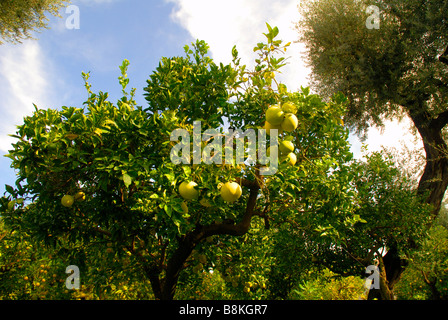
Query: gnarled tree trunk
[[434, 180], [432, 186]]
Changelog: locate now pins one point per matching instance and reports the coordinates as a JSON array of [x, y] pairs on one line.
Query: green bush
[[327, 285]]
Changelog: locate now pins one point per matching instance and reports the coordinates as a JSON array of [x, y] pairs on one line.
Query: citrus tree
[[102, 176]]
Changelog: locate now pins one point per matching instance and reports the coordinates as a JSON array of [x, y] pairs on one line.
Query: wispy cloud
[[23, 82]]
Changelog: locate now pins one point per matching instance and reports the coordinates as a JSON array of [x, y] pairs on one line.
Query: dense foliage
[[396, 69], [133, 235]]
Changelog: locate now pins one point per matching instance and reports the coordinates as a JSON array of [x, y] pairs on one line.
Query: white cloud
[[223, 24], [396, 135], [23, 82]]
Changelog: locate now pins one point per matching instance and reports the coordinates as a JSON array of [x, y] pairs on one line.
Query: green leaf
[[306, 91], [275, 32], [234, 52], [170, 176], [168, 210], [187, 170], [9, 189], [127, 180]]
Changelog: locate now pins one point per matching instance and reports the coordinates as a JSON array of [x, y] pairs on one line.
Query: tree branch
[[385, 292], [444, 57], [188, 242], [249, 183], [230, 228], [264, 216], [441, 120]]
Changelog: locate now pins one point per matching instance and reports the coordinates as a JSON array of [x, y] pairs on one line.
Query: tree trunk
[[175, 265], [391, 267], [434, 180], [165, 289], [432, 186]]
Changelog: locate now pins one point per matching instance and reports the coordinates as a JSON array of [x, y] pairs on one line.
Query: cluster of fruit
[[68, 200], [42, 281], [230, 192], [277, 117], [281, 118], [248, 286]]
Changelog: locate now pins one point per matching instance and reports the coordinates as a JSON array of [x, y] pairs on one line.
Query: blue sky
[[47, 71]]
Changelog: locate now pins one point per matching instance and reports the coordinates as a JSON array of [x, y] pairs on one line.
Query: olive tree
[[18, 18]]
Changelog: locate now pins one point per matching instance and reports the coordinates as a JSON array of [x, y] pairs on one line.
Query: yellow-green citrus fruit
[[274, 115], [231, 191], [80, 196], [292, 158], [268, 127], [187, 190], [288, 107], [290, 123], [286, 147], [67, 200]]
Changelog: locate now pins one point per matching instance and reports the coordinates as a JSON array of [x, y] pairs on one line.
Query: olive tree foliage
[[19, 18], [118, 155], [382, 70], [398, 69]]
